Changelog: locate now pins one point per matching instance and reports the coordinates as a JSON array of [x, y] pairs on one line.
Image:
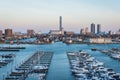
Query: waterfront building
[[77, 39], [98, 28], [93, 28], [98, 40], [8, 33], [55, 32]]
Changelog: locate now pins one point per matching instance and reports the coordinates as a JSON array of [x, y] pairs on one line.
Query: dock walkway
[[31, 65]]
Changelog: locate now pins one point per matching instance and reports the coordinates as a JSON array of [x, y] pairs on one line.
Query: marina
[[60, 40], [5, 59], [37, 63], [85, 67], [59, 68], [113, 53]]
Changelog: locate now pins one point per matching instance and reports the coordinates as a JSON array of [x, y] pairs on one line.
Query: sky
[[43, 15]]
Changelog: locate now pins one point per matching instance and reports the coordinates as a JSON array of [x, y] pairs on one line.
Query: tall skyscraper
[[60, 23], [8, 33], [93, 28], [98, 28], [86, 30], [0, 33]]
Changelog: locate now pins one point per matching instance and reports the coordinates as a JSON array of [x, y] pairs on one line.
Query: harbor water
[[59, 68]]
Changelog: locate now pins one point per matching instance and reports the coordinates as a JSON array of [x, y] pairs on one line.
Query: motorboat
[[93, 49]]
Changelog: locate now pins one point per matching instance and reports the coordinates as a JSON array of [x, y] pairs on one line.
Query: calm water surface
[[59, 68]]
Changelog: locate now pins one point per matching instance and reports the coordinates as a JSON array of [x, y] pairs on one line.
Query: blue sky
[[43, 15]]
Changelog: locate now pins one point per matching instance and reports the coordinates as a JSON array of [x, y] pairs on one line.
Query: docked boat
[[115, 56], [93, 49], [8, 56], [40, 69], [2, 63]]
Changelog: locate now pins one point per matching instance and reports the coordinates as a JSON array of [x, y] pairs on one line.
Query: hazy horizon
[[43, 15]]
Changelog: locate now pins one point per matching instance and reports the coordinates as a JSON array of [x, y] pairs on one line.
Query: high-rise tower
[[86, 30], [98, 28], [93, 28], [60, 23]]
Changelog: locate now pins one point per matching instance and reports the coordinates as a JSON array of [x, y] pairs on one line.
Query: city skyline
[[44, 15]]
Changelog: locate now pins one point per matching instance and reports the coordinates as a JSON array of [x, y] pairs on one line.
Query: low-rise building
[[69, 33], [98, 40], [55, 32]]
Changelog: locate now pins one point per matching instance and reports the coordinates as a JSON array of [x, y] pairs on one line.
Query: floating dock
[[17, 48], [37, 63], [11, 50]]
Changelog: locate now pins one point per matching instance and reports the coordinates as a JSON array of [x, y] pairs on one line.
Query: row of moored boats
[[86, 67], [113, 53], [6, 58]]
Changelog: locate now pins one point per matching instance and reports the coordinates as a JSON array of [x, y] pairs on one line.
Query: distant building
[[60, 31], [86, 30], [98, 40], [118, 32], [0, 33], [61, 28], [110, 32], [93, 28], [60, 24], [69, 33], [39, 33], [30, 32], [17, 33], [82, 31], [98, 28], [55, 32], [8, 33]]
